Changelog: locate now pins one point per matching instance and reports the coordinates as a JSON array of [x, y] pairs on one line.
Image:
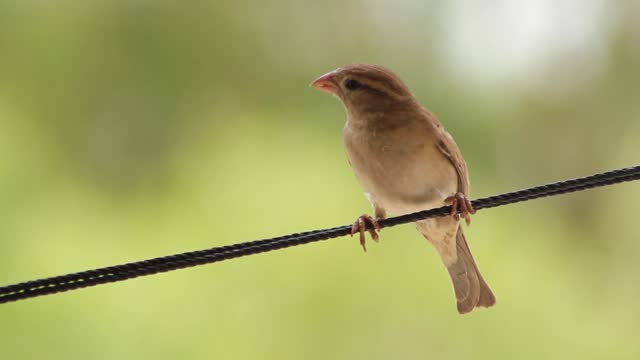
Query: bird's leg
[[460, 201], [360, 225]]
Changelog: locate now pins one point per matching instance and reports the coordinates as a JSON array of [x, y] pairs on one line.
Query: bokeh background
[[135, 129]]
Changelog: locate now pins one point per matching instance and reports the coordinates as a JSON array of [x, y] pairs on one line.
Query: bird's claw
[[360, 226], [460, 202]]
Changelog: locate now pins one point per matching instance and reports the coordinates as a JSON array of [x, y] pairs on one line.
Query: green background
[[135, 129]]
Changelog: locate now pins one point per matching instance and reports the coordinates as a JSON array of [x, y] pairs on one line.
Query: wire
[[132, 270]]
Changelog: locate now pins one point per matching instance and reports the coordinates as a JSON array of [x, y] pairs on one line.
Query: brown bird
[[406, 161]]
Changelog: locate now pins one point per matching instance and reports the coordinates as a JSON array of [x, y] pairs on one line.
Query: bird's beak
[[326, 83]]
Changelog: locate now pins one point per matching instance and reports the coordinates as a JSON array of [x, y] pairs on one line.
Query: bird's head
[[365, 89]]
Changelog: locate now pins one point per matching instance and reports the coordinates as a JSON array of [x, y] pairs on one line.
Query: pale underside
[[403, 174]]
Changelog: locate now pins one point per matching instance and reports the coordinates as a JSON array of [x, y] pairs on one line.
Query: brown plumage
[[406, 161]]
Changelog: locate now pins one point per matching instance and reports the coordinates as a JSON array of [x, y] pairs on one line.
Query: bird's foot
[[460, 202], [360, 226]]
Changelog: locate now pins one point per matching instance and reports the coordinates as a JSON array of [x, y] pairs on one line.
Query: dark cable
[[132, 270]]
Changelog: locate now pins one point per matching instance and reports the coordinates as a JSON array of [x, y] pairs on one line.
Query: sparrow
[[406, 162]]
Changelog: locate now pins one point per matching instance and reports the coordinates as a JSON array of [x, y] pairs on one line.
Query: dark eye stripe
[[352, 84], [383, 82]]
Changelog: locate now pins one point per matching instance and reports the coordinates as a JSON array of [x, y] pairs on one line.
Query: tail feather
[[469, 286]]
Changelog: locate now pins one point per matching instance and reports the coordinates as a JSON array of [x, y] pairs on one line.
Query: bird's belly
[[404, 179]]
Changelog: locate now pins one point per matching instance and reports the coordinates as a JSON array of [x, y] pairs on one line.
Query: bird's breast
[[402, 170]]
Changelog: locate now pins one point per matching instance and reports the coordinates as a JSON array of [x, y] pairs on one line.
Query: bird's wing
[[451, 151], [448, 147]]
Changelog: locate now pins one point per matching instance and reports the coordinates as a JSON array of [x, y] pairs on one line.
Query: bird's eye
[[352, 84]]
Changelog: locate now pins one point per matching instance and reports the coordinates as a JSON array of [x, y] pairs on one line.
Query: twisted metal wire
[[136, 269]]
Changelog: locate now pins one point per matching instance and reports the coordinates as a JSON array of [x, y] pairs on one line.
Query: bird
[[406, 162]]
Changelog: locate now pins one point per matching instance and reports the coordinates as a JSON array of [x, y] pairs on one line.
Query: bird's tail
[[469, 286]]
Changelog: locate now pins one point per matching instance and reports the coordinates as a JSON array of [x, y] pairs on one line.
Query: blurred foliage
[[133, 129]]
